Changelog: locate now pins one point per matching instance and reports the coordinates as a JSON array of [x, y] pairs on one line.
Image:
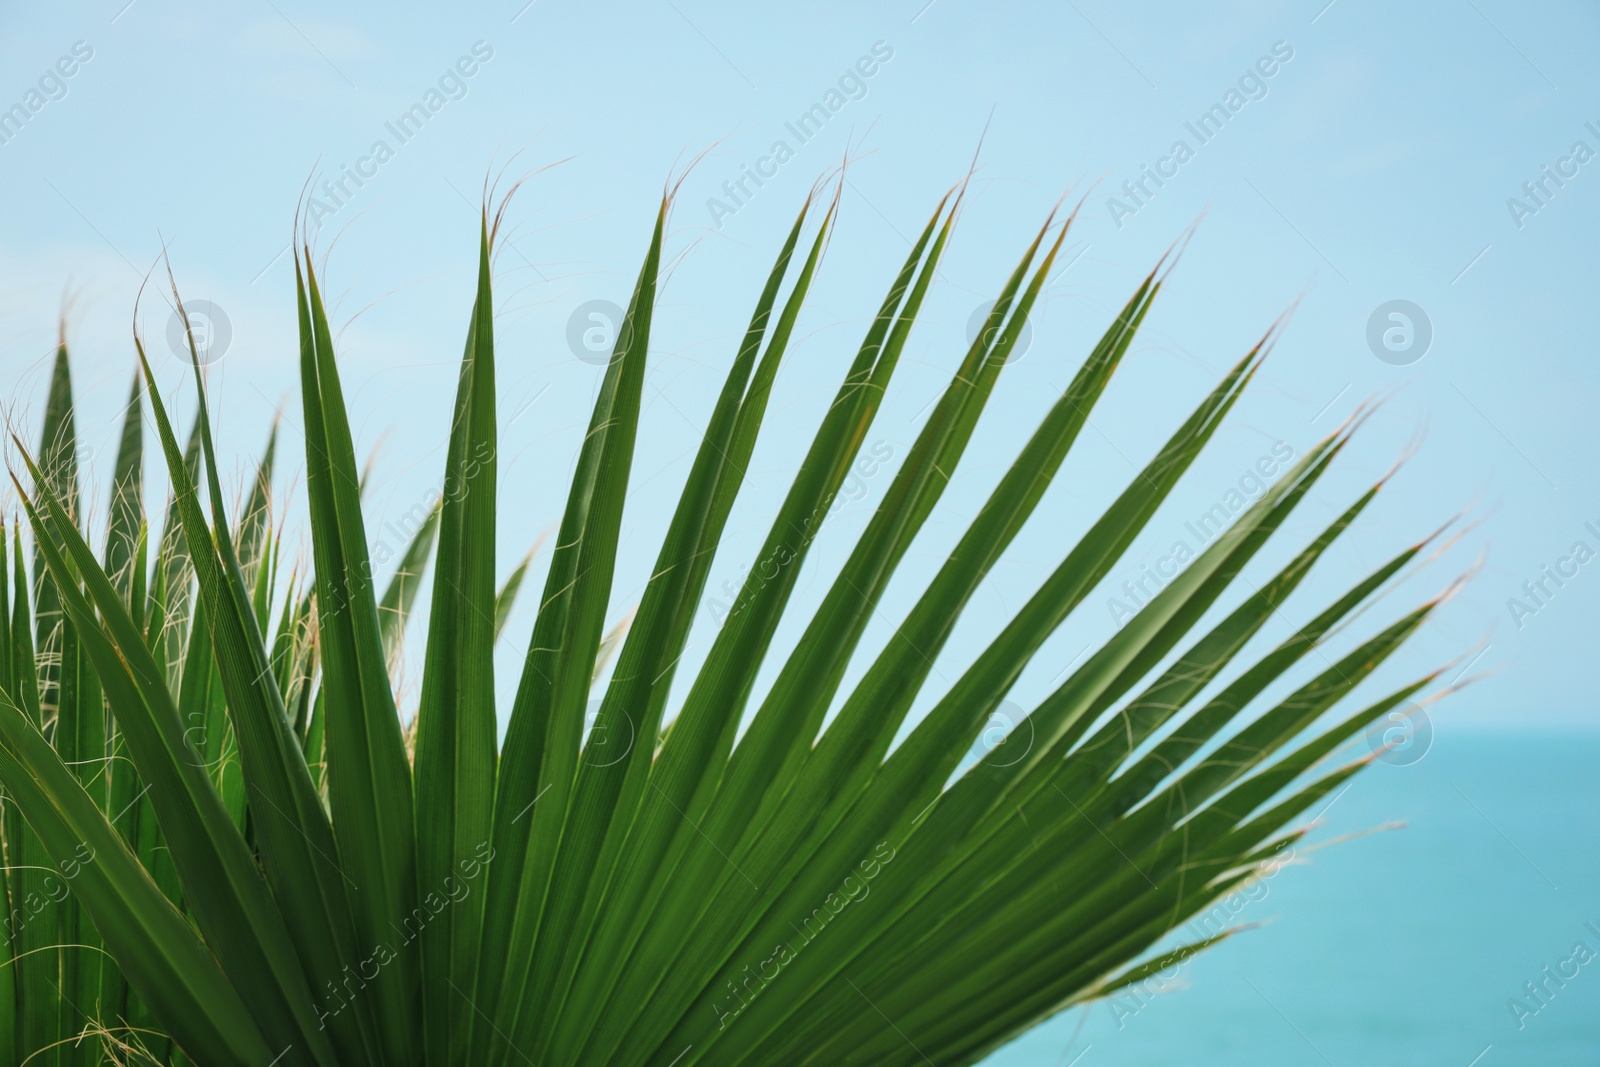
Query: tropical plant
[[225, 843]]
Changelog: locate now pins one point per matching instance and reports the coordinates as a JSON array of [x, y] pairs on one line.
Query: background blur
[[1438, 154]]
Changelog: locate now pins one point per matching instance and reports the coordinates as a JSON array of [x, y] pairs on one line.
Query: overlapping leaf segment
[[224, 844]]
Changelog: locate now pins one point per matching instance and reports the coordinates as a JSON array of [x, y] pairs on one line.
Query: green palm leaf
[[368, 779], [455, 750], [273, 875]]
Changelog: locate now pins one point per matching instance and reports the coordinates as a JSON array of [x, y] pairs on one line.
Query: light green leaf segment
[[225, 842]]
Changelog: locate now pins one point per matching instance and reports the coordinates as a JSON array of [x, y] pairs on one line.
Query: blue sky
[[1370, 154]]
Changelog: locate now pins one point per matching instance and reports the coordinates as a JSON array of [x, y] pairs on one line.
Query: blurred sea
[[1404, 947]]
